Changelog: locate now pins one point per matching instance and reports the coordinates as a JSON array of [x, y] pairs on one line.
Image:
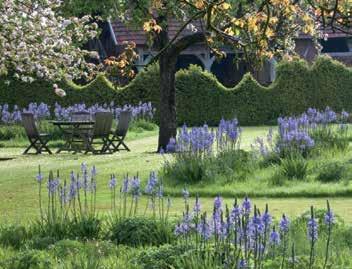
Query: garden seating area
[[81, 132]]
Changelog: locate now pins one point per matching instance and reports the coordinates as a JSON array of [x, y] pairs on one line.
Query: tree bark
[[167, 65], [167, 107]]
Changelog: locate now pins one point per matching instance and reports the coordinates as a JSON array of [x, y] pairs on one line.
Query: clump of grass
[[331, 172], [294, 167]]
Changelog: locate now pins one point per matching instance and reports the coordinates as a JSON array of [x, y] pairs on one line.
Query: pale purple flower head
[[329, 217], [246, 206], [217, 203], [284, 224], [312, 227], [274, 237], [125, 185], [112, 182], [197, 206]]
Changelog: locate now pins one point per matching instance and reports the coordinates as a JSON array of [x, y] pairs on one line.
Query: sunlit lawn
[[18, 189]]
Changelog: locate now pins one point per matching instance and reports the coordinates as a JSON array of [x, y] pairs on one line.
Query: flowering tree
[[37, 42]]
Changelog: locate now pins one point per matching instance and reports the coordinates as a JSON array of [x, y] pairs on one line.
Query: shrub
[[277, 179], [233, 164], [162, 257], [294, 167], [139, 231], [142, 125], [28, 259], [187, 169], [331, 172], [13, 235]]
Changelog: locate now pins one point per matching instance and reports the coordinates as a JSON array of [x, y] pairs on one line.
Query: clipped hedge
[[201, 98]]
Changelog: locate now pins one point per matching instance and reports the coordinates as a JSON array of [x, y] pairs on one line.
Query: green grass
[[18, 190]]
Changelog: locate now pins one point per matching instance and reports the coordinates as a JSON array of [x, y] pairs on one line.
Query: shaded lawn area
[[18, 189]]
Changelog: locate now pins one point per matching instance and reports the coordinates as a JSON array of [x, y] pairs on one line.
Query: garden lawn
[[18, 189]]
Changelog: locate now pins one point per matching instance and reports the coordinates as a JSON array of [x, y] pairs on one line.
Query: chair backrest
[[29, 125], [102, 125], [123, 123], [81, 116]]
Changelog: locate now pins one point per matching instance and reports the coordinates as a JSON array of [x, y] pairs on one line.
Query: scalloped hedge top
[[200, 96]]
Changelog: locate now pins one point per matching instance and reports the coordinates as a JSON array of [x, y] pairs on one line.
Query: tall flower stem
[[329, 222]]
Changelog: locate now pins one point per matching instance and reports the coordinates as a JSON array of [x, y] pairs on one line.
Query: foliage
[[202, 154], [13, 235], [28, 259], [198, 93], [331, 172], [294, 167], [140, 232], [162, 257]]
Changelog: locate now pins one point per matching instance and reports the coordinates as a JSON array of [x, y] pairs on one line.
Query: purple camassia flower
[[266, 217], [217, 203], [125, 185], [93, 171], [171, 146], [284, 224], [262, 147], [344, 115], [160, 192], [39, 177], [197, 140], [242, 264], [291, 135], [312, 229], [185, 226], [152, 184], [135, 187], [85, 182], [84, 167], [204, 229], [73, 187], [235, 214], [197, 206], [112, 182], [256, 225], [329, 217], [53, 185], [274, 237], [246, 206]]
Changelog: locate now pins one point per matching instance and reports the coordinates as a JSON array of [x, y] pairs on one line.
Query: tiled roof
[[124, 33]]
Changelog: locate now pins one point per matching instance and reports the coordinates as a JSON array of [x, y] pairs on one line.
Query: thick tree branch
[[186, 41]]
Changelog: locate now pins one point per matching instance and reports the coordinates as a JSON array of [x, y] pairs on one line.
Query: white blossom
[[35, 41]]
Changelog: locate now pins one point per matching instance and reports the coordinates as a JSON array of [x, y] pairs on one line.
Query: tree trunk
[[167, 109]]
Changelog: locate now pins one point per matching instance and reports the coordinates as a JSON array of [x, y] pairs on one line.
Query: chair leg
[[125, 146], [44, 146], [32, 145], [106, 145]]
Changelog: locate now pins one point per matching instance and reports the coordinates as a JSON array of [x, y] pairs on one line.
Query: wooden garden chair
[[100, 133], [118, 136], [37, 140]]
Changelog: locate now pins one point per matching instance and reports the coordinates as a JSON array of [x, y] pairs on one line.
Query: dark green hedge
[[201, 98]]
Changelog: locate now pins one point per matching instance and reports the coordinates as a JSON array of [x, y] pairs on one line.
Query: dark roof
[[124, 33]]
